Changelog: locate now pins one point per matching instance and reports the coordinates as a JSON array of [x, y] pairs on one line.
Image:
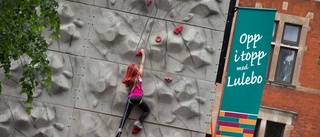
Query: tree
[[21, 25]]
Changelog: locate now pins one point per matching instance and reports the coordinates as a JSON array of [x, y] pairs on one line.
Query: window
[[274, 129], [274, 32], [256, 130], [270, 59], [291, 34], [287, 53], [274, 122], [285, 66], [288, 38]]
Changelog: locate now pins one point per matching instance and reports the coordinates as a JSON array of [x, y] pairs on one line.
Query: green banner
[[248, 62]]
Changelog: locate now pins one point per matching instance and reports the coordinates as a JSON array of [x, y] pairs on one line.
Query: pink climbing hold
[[168, 79], [138, 53], [149, 2], [178, 29], [158, 39]]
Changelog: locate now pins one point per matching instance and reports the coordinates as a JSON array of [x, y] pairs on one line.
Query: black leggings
[[132, 101]]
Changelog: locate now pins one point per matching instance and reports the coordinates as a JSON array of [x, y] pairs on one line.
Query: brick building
[[291, 99]]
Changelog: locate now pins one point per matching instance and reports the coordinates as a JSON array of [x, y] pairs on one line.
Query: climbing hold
[[178, 29], [168, 79], [149, 2], [95, 103], [59, 126], [113, 2], [188, 17], [210, 49], [78, 23], [138, 53], [158, 39]]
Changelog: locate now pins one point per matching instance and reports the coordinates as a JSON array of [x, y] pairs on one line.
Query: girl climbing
[[133, 81]]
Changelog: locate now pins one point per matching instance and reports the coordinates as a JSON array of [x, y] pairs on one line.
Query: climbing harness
[[134, 104]]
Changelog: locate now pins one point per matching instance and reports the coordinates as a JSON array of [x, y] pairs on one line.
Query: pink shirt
[[136, 91]]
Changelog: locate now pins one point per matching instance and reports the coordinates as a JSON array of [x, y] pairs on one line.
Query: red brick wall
[[307, 105], [310, 71]]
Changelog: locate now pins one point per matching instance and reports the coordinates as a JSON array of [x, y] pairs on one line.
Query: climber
[[133, 81]]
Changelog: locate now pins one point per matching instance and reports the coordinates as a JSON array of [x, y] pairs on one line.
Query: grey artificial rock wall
[[99, 38]]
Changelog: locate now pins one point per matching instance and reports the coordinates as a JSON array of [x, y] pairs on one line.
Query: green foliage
[[28, 110], [21, 25]]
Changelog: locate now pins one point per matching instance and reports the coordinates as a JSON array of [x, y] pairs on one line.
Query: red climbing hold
[[178, 29], [168, 79], [158, 39], [138, 53], [149, 2]]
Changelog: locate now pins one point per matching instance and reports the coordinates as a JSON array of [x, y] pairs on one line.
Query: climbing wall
[[99, 38]]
